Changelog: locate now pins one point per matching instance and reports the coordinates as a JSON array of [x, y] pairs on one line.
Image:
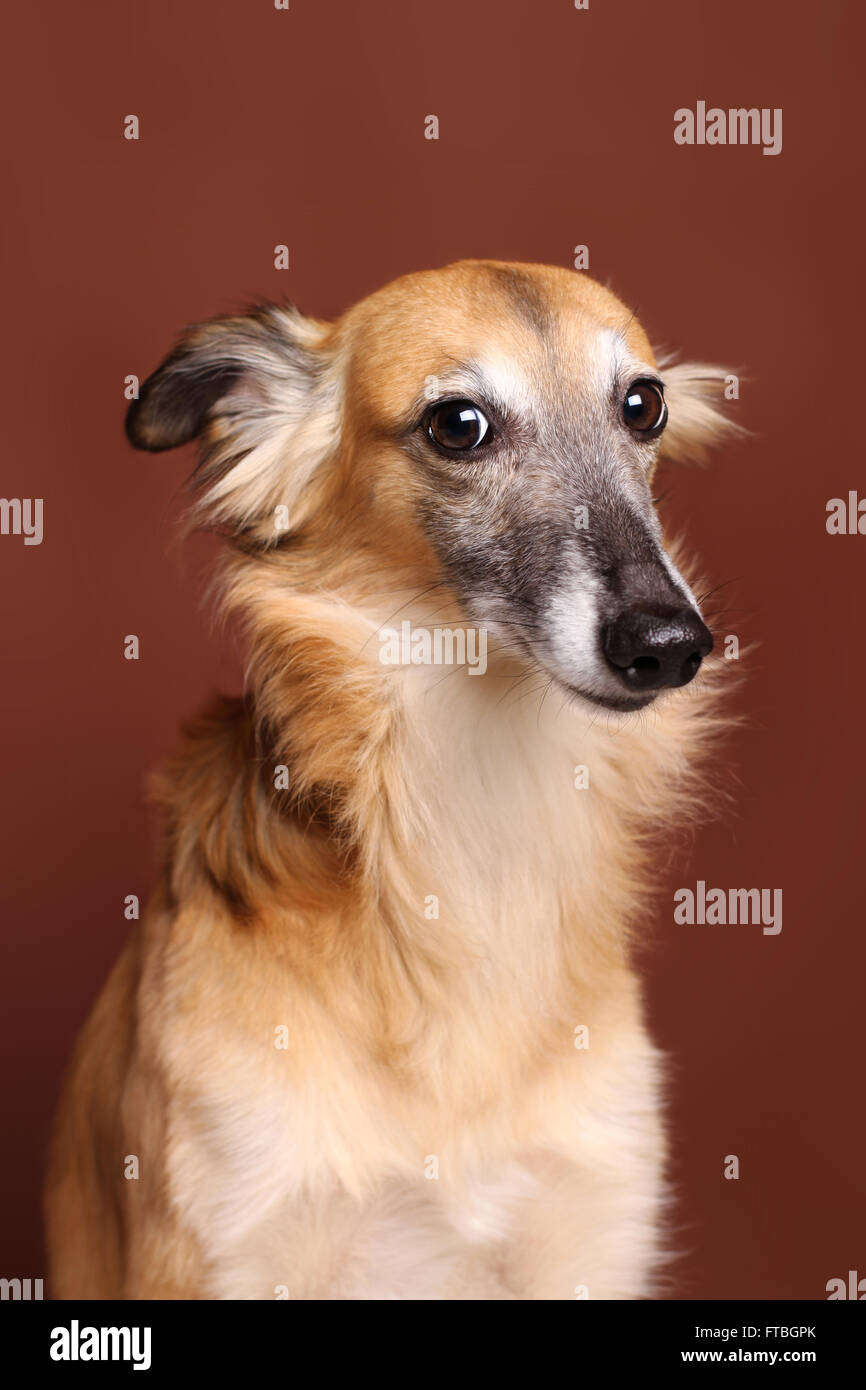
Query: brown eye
[[644, 408], [457, 425]]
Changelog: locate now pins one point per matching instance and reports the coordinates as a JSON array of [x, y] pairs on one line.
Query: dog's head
[[500, 424]]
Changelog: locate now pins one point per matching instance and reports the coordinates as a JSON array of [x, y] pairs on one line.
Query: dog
[[379, 1034]]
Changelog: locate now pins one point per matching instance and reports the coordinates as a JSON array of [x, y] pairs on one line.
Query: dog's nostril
[[649, 650], [645, 663]]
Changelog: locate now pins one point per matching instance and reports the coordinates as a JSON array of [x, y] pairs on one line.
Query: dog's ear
[[258, 391], [697, 410]]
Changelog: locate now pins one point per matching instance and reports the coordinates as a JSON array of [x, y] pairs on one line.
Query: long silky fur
[[305, 1171]]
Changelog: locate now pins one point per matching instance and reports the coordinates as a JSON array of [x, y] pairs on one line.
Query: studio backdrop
[[169, 163]]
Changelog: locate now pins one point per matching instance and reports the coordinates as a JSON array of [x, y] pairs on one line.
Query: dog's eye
[[644, 408], [457, 425]]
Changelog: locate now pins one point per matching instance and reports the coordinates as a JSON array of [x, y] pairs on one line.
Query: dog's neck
[[458, 857], [483, 809]]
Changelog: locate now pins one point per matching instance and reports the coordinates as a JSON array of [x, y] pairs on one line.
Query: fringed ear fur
[[259, 392], [695, 395]]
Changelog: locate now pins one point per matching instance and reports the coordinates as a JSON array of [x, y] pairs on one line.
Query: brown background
[[306, 127]]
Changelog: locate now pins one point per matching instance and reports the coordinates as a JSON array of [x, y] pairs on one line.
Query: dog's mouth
[[618, 704], [641, 655], [614, 703]]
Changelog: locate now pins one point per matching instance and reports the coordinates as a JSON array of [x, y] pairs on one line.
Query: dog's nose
[[649, 650]]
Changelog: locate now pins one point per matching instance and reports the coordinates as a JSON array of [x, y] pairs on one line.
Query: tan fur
[[265, 1170]]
